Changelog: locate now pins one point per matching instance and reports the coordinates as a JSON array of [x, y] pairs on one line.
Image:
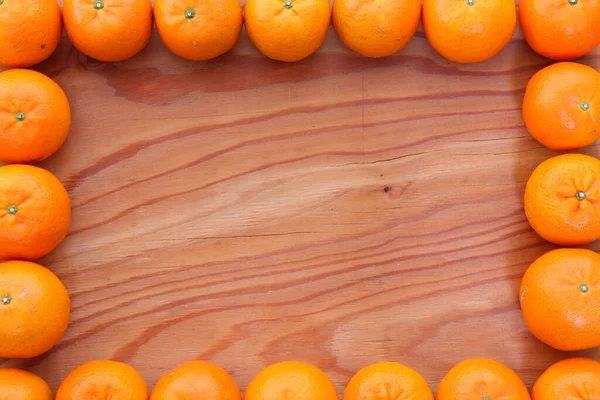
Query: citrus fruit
[[560, 293], [108, 30], [196, 380], [100, 380], [469, 31], [29, 31], [287, 30], [35, 116], [35, 212], [481, 379], [376, 28], [562, 199], [16, 384], [291, 380], [561, 30], [198, 29], [571, 379], [387, 380], [34, 309], [562, 106]]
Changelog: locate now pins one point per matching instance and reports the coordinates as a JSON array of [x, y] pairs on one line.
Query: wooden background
[[339, 211]]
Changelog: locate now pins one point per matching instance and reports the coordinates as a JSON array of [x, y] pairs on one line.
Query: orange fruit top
[[291, 380], [16, 384], [562, 199], [94, 380], [561, 30], [571, 379], [469, 31], [287, 30], [560, 294], [34, 309], [387, 380], [376, 28], [481, 379], [562, 106], [198, 29], [108, 30], [29, 31], [35, 212], [196, 380], [35, 116]]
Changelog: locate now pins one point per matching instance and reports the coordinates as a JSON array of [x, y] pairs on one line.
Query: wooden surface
[[339, 211]]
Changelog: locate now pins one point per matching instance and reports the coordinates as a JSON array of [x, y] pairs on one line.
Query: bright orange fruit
[[562, 199], [108, 30], [198, 29], [29, 31], [387, 380], [376, 28], [571, 379], [35, 212], [561, 108], [34, 309], [287, 30], [481, 379], [35, 116], [100, 380], [291, 380], [16, 384]]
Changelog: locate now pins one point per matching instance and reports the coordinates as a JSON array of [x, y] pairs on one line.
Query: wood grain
[[339, 211]]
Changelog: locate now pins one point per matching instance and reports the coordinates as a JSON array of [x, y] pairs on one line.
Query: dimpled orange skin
[[34, 309], [376, 28], [46, 112], [291, 380], [287, 34], [100, 380], [466, 33], [551, 203], [116, 32], [211, 30], [481, 378], [196, 380], [35, 212], [16, 384], [559, 30], [571, 379], [557, 309], [561, 108], [387, 380], [29, 32]]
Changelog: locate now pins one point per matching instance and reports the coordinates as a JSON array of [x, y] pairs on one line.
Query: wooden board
[[339, 211]]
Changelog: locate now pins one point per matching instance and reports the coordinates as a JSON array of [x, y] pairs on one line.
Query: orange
[[108, 30], [469, 31], [35, 212], [16, 384], [291, 380], [562, 199], [562, 106], [287, 30], [34, 309], [35, 116], [376, 28], [101, 380], [481, 379], [198, 29], [196, 380], [561, 30], [571, 379], [29, 31], [560, 294], [387, 380]]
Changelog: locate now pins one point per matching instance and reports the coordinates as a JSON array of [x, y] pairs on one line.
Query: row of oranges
[[463, 31], [474, 379]]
